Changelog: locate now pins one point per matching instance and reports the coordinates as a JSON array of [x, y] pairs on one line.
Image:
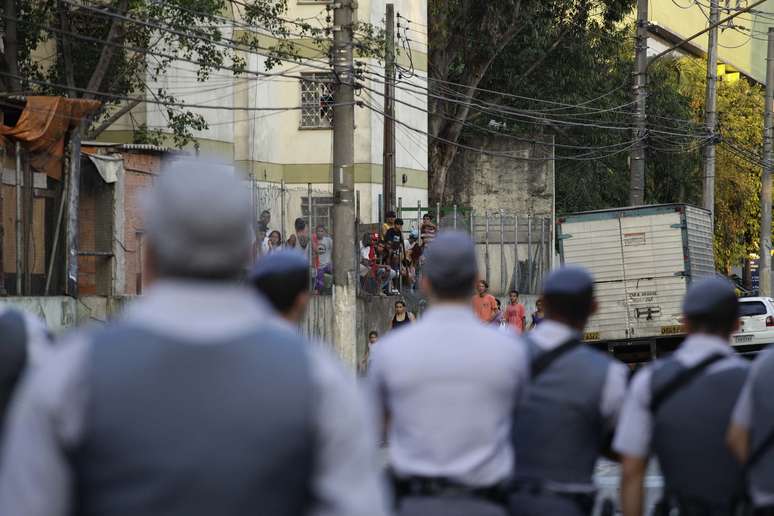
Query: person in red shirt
[[515, 313], [484, 303]]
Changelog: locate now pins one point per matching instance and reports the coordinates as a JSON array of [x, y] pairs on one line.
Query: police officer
[[195, 401], [751, 435], [678, 408], [283, 279], [23, 341], [447, 386], [575, 395]]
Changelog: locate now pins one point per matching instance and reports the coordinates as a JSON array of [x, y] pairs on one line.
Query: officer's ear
[[594, 306], [737, 325], [298, 310], [425, 286]]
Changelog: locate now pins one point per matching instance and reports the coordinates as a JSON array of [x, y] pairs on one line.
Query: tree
[[110, 51], [474, 43], [738, 167]]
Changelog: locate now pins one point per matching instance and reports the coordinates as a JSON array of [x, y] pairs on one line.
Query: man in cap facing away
[[195, 402], [24, 340], [751, 435], [678, 408], [574, 398], [283, 279], [447, 387]]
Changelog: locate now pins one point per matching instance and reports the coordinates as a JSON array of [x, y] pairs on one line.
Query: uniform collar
[[199, 310], [699, 345], [550, 334], [450, 312]]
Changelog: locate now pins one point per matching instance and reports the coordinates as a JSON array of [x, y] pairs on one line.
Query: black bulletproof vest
[[762, 472], [13, 356], [689, 432], [180, 429], [558, 431]]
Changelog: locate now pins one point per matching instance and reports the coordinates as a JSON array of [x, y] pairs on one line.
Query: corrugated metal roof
[[135, 147]]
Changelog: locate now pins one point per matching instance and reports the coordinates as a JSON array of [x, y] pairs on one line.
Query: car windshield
[[748, 308]]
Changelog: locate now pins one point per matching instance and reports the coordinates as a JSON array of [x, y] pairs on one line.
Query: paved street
[[607, 478]]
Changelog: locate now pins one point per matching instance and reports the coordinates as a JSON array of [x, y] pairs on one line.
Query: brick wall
[[140, 170]]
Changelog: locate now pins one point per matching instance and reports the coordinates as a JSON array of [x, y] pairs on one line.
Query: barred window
[[317, 99]]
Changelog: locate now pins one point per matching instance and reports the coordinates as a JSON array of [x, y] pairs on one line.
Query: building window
[[323, 212], [317, 101]]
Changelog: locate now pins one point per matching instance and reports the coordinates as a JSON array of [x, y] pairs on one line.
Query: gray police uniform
[[755, 411], [564, 424], [687, 431], [193, 403], [23, 341], [449, 385]]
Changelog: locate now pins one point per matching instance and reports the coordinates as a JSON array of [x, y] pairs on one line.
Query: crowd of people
[[321, 249], [391, 261], [203, 398]]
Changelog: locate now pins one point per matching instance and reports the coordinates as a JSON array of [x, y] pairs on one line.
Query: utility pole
[[710, 106], [344, 272], [637, 154], [764, 266], [388, 159]]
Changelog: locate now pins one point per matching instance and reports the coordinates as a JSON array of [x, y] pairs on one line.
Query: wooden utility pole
[[388, 158], [710, 106], [344, 270], [764, 266], [637, 154]]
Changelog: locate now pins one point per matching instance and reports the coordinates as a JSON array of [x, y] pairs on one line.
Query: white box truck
[[643, 259]]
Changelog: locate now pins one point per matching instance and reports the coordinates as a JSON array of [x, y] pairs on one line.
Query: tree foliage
[[737, 179], [506, 44]]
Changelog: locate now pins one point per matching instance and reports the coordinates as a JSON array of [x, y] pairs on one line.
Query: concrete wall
[[374, 313], [522, 182]]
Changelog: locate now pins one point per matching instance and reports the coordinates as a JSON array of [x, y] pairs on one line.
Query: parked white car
[[757, 321]]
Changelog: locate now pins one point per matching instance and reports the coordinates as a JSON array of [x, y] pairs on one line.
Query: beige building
[[294, 146]]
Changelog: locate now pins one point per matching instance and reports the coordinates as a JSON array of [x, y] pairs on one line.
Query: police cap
[[711, 296], [568, 280], [278, 263]]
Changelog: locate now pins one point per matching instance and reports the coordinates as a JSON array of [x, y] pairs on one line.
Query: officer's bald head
[[197, 219], [450, 266]]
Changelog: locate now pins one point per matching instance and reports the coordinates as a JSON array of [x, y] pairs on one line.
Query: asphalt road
[[608, 475]]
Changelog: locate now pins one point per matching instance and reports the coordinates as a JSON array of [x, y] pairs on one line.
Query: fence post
[[486, 244], [379, 212], [503, 276], [516, 264], [310, 237], [455, 216], [472, 227], [530, 261], [400, 207], [438, 215], [542, 248], [419, 218], [283, 213]]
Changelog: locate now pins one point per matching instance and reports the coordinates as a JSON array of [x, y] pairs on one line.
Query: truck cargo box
[[643, 259]]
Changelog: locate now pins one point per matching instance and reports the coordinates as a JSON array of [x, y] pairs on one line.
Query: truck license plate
[[743, 338]]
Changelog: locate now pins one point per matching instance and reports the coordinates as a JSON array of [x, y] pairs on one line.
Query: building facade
[[278, 127], [741, 42]]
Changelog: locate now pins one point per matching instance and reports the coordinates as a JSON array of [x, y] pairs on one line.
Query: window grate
[[317, 99]]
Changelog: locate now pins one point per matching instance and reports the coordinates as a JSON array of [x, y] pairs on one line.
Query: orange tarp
[[42, 128]]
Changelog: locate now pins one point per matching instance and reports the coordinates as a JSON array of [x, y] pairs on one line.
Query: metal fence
[[515, 251]]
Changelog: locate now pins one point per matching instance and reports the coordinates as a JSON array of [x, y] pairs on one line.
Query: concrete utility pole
[[764, 266], [388, 158], [637, 154], [344, 272], [710, 106]]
